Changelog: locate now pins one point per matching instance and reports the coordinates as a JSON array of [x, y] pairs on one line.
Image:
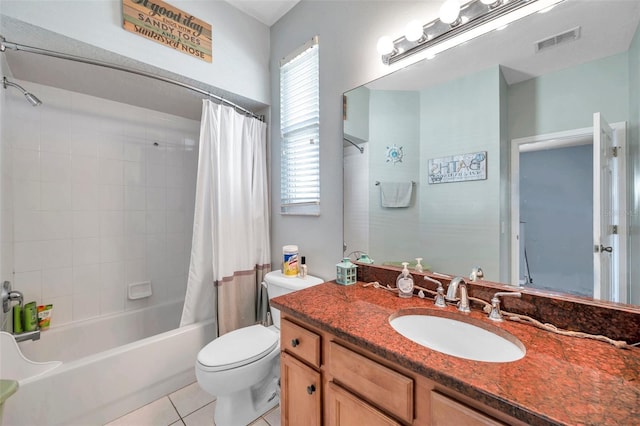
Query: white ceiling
[[266, 11]]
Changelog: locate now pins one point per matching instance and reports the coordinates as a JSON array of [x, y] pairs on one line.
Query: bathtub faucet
[[27, 335], [9, 296]]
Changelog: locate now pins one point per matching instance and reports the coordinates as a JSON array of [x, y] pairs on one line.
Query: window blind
[[300, 131]]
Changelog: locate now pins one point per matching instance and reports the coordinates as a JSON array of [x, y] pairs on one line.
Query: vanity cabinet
[[327, 381]]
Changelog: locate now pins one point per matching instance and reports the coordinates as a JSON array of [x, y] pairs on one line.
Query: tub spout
[[27, 335]]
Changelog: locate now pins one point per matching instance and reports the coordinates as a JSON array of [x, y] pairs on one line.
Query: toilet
[[242, 368]]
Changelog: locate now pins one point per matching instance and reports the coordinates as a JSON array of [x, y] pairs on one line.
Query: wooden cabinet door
[[345, 409], [301, 396], [446, 411]]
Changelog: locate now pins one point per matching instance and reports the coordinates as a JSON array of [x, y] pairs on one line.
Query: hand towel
[[396, 194]]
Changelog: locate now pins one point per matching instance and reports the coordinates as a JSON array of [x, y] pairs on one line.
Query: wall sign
[[168, 25], [458, 168]]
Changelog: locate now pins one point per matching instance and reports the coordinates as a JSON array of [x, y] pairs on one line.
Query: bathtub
[[110, 366]]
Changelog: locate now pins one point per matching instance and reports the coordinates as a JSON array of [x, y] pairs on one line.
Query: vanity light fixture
[[457, 24]]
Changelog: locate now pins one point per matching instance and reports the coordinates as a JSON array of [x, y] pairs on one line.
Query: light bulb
[[413, 31], [449, 11], [385, 45]]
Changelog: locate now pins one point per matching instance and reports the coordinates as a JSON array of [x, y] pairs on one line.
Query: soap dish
[[139, 290]]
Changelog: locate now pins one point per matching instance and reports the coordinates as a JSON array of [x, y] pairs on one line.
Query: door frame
[[560, 140]]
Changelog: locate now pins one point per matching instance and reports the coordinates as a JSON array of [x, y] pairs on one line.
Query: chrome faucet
[[495, 314], [476, 274], [9, 296], [452, 291], [439, 299]]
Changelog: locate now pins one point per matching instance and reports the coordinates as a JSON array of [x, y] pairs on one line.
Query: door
[[604, 280], [301, 402]]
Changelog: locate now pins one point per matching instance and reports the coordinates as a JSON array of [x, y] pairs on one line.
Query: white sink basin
[[459, 336]]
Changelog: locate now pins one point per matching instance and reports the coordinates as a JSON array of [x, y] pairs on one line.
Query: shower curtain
[[230, 251]]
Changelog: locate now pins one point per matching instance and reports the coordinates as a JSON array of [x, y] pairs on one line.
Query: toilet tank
[[279, 284]]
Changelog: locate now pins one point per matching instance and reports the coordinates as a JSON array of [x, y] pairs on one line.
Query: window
[[300, 131]]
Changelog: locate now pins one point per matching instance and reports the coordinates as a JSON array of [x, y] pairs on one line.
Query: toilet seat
[[238, 348]]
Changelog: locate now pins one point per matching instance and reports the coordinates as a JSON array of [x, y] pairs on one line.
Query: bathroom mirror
[[524, 100]]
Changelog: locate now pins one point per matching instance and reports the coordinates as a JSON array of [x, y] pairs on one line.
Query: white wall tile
[[111, 249], [27, 226], [56, 225], [156, 222], [26, 164], [134, 173], [55, 196], [26, 135], [134, 150], [83, 145], [110, 148], [30, 284], [156, 175], [55, 167], [175, 177], [27, 256], [156, 199], [86, 224], [55, 140], [155, 154], [26, 195], [135, 247], [110, 172], [56, 283], [174, 199], [56, 253], [135, 271], [84, 169], [174, 221], [85, 306], [135, 198], [174, 156], [111, 223], [84, 196], [86, 251], [111, 300], [135, 223], [111, 197], [62, 310], [90, 194], [86, 279]]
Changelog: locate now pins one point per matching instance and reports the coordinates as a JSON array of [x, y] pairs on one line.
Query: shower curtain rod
[[4, 44]]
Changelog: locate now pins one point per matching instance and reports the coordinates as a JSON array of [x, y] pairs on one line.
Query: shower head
[[33, 100]]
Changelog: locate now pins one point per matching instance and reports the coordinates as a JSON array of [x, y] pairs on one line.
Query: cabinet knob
[[295, 342], [311, 389]]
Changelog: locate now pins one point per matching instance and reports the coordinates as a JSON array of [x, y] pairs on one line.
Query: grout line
[[175, 408]]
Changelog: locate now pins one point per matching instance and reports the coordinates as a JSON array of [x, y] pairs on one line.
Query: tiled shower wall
[[102, 197]]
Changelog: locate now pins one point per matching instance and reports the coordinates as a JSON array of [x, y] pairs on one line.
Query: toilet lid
[[238, 348]]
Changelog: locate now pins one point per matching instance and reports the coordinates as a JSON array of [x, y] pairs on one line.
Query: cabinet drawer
[[446, 411], [383, 387], [345, 409], [300, 342]]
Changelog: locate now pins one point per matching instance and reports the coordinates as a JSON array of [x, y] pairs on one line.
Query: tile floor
[[189, 406]]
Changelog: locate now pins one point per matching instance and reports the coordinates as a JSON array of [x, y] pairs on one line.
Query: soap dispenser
[[419, 267], [405, 282]]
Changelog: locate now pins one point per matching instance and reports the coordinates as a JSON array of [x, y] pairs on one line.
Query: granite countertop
[[560, 380]]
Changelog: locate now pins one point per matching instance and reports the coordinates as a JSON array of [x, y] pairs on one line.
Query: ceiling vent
[[565, 37]]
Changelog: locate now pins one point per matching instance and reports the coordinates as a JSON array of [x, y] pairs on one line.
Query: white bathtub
[[110, 366]]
